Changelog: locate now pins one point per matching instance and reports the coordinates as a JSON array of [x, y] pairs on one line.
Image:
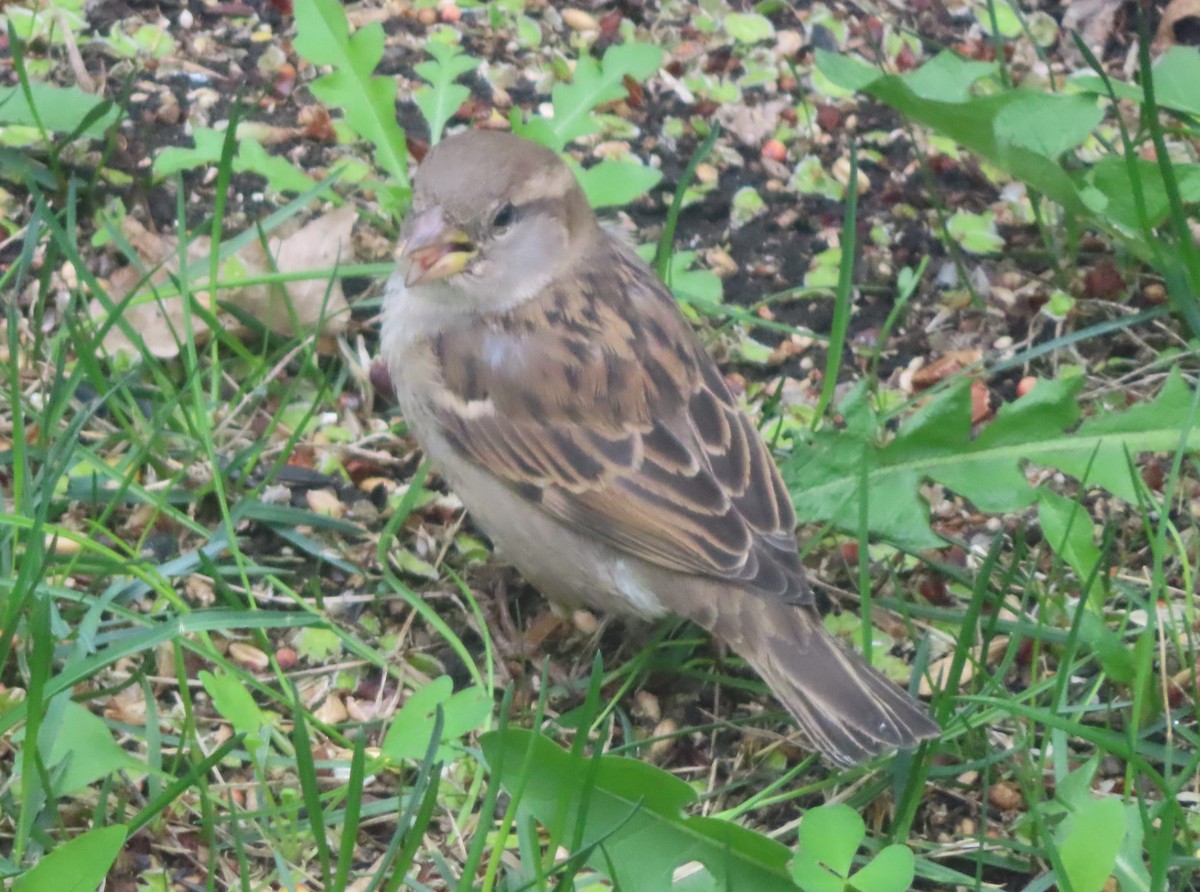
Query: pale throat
[[511, 271]]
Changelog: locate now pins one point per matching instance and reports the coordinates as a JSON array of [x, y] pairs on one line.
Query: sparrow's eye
[[505, 217]]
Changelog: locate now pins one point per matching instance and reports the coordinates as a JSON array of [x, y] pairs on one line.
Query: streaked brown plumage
[[554, 381]]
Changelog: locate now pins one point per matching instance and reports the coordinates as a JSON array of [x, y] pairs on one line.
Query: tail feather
[[848, 710]]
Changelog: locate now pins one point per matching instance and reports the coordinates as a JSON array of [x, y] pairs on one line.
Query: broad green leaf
[[440, 100], [697, 284], [408, 735], [976, 233], [1176, 75], [747, 204], [1161, 425], [1175, 81], [832, 834], [449, 63], [149, 40], [826, 468], [35, 22], [830, 837], [251, 157], [813, 876], [1111, 176], [1059, 304], [60, 109], [1046, 123], [82, 750], [630, 816], [1131, 864], [689, 285], [281, 174], [811, 178], [638, 60], [408, 562], [748, 27], [318, 645], [529, 32], [368, 102], [1075, 788], [439, 105], [751, 352], [231, 699], [848, 72], [824, 471], [1005, 21], [140, 640], [612, 183], [594, 83], [1088, 842], [892, 870], [948, 77], [1116, 658], [79, 865], [823, 269], [1067, 526], [974, 123]]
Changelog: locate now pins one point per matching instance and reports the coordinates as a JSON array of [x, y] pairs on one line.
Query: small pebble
[[665, 729], [287, 658], [331, 711], [578, 20], [647, 704], [774, 150], [1006, 795], [1154, 293], [249, 656], [585, 621]]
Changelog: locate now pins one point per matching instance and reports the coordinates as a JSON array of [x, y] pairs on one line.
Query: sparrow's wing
[[596, 403]]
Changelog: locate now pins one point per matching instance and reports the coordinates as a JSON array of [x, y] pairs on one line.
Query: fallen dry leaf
[[981, 402], [1104, 280], [160, 323], [331, 711], [317, 303], [751, 125], [127, 705], [287, 308], [943, 367], [266, 134], [316, 123], [936, 677], [199, 590], [325, 502]]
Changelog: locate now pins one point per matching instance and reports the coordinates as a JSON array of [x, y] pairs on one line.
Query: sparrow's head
[[494, 218]]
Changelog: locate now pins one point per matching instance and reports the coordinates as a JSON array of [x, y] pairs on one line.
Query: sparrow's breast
[[569, 569]]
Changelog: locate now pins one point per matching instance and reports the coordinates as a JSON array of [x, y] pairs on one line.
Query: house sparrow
[[553, 380]]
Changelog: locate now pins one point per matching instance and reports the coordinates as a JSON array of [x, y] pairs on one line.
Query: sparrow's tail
[[849, 711]]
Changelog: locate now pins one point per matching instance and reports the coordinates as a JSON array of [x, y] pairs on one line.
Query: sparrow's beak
[[433, 249]]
